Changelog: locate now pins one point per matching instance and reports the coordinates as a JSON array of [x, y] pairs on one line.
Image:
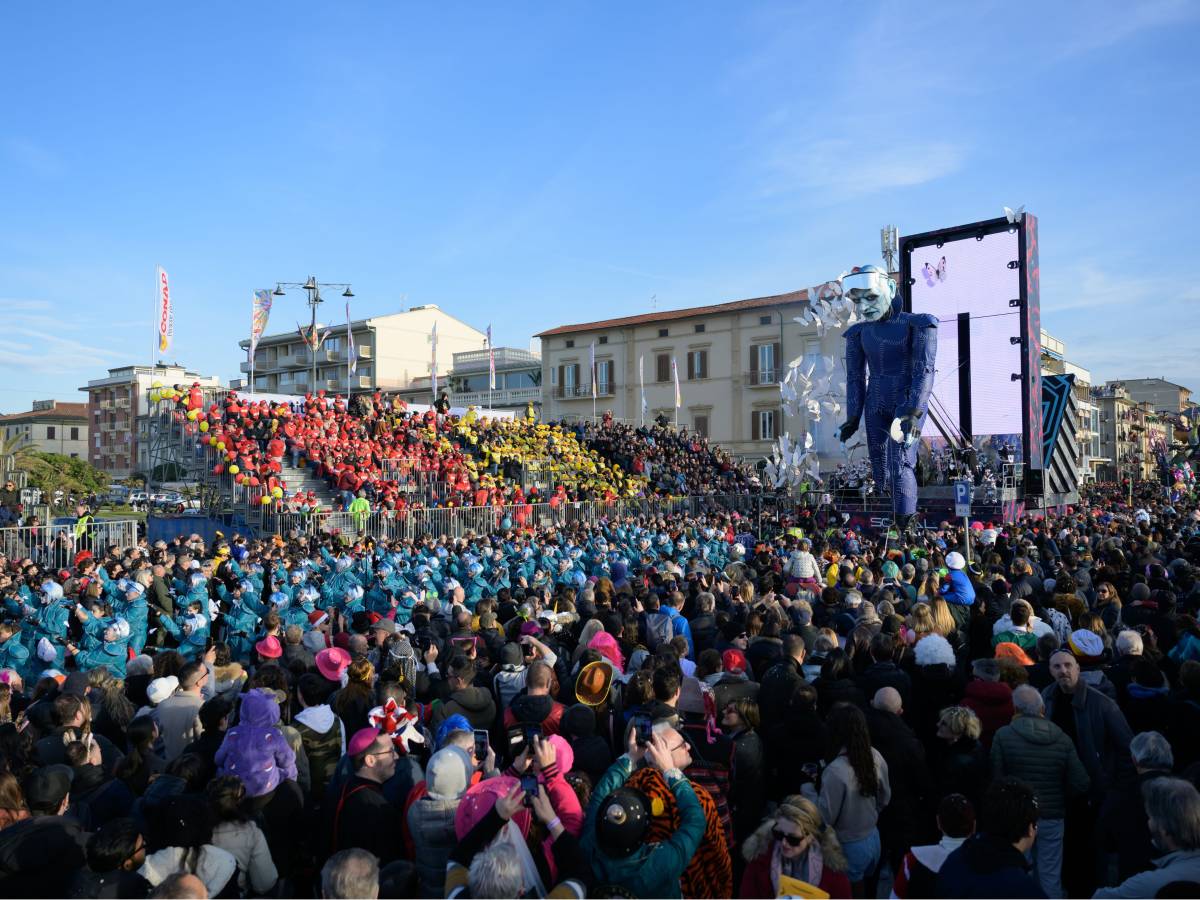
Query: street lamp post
[[313, 288]]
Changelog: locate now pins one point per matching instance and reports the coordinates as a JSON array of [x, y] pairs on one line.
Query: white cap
[[954, 560]]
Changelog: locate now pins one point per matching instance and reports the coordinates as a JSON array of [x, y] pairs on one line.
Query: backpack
[[659, 630], [323, 750]]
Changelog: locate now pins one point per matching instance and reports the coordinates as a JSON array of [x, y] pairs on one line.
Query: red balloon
[[206, 439], [218, 469], [253, 482]]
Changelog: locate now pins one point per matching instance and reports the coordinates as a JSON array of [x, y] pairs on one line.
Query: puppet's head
[[871, 290]]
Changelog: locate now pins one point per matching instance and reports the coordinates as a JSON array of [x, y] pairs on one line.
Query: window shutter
[[775, 351], [560, 381], [611, 366], [691, 367], [703, 364], [753, 363], [754, 423], [664, 367], [576, 380]]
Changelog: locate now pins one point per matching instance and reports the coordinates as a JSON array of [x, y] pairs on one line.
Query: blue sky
[[537, 164]]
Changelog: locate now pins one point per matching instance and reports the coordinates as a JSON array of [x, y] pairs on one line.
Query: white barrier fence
[[457, 521], [55, 546]]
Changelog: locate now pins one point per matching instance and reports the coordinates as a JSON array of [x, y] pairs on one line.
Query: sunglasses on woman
[[792, 840]]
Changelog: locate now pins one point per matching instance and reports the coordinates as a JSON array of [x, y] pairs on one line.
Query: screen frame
[[1029, 303]]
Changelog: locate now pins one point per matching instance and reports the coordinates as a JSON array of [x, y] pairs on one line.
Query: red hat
[[362, 741], [269, 648], [317, 617], [82, 555], [734, 661]]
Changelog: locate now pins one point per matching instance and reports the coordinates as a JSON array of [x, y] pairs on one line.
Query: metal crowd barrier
[[55, 546]]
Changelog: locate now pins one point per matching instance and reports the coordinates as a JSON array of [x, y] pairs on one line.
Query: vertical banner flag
[[164, 314], [592, 366], [351, 350], [642, 383], [675, 376], [260, 311], [491, 361], [433, 361]]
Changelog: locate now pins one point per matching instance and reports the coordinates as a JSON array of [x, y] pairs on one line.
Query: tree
[[15, 452], [54, 472]]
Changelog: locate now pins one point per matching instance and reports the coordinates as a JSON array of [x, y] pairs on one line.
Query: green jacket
[[1039, 752], [653, 870]]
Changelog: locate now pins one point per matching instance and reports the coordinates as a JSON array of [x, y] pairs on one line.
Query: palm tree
[[15, 456]]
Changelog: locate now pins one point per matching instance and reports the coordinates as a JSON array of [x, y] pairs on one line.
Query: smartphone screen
[[481, 744], [643, 728], [529, 784]]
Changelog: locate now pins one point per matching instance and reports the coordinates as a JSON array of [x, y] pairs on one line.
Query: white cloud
[[846, 167]]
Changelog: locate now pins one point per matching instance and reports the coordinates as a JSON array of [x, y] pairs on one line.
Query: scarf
[[710, 873], [808, 867]]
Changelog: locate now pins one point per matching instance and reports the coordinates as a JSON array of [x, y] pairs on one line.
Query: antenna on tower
[[889, 245]]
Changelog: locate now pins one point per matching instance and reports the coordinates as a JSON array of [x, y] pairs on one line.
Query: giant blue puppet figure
[[899, 350]]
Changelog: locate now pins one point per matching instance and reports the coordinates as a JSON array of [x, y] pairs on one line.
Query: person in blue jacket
[[191, 632], [105, 643], [133, 609], [49, 621], [618, 818], [13, 654], [957, 588]]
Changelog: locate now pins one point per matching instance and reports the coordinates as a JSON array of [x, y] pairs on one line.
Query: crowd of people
[[673, 461], [376, 446], [648, 707]]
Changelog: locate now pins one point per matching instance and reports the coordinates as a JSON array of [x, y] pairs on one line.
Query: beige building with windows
[[51, 427], [730, 358], [392, 351]]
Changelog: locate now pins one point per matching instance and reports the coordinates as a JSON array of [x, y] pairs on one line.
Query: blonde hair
[[962, 722], [921, 620], [943, 622], [805, 815]]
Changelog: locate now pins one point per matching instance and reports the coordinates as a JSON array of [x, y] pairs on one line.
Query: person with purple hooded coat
[[255, 750]]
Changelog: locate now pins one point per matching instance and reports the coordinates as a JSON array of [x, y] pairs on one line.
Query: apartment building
[[1162, 395], [1131, 433], [730, 358], [51, 426], [392, 351], [117, 407]]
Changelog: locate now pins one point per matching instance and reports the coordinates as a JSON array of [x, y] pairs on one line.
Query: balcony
[[583, 391], [328, 356], [502, 398], [506, 358], [763, 378]]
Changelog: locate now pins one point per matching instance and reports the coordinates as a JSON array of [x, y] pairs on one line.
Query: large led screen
[[972, 275]]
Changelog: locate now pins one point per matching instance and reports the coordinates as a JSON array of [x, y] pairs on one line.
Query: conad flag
[[260, 311], [164, 315]]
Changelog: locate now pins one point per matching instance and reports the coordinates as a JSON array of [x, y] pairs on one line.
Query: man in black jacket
[[883, 672], [781, 679], [114, 854], [361, 815]]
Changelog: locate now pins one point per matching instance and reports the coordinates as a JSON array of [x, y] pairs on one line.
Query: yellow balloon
[[265, 501], [193, 415], [204, 426], [277, 492], [156, 384], [155, 396], [220, 445], [233, 470]]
